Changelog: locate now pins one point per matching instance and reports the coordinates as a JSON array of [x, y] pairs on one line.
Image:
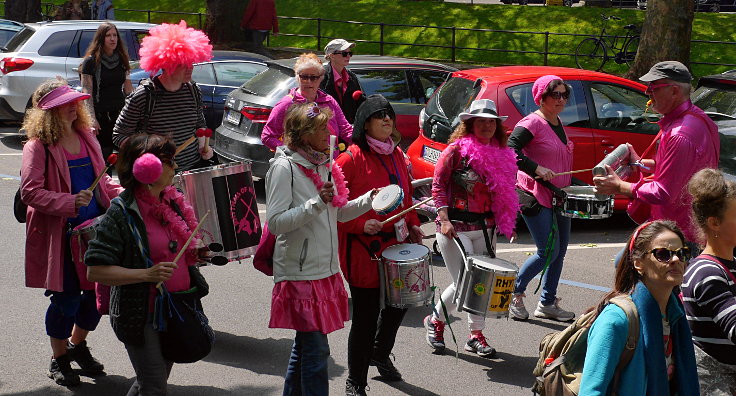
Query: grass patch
[[577, 20]]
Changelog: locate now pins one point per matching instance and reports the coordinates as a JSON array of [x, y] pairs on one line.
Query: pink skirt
[[316, 305]]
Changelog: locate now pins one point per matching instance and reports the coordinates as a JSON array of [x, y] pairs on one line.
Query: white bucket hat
[[483, 108]]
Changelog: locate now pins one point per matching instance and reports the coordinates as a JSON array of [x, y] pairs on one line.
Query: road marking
[[8, 177], [569, 247], [11, 154]]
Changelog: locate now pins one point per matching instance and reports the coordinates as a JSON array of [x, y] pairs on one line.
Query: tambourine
[[388, 199]]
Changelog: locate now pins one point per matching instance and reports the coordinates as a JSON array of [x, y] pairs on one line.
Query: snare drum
[[486, 288], [388, 199], [582, 202], [405, 275], [78, 242], [227, 191]]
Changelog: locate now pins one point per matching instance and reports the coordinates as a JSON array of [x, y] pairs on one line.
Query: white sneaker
[[517, 310], [553, 311]]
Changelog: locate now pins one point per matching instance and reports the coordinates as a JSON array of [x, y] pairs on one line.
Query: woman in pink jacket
[[60, 161], [309, 74]]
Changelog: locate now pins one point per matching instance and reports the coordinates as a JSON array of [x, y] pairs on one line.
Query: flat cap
[[672, 70]]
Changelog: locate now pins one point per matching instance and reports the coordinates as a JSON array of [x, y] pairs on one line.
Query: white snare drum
[[582, 202], [486, 289], [388, 199], [405, 275], [227, 190]]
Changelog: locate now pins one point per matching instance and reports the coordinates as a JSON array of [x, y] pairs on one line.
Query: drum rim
[[392, 203], [228, 165], [428, 252]]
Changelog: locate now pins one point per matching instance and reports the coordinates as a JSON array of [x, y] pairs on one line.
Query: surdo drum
[[582, 202], [388, 199], [486, 286], [233, 229], [405, 275]]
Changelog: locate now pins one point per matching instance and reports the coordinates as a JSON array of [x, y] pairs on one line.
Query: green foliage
[[577, 20]]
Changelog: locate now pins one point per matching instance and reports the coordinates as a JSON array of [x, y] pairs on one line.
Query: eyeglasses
[[307, 77], [345, 54], [651, 87], [664, 255], [559, 95], [168, 161], [381, 114]]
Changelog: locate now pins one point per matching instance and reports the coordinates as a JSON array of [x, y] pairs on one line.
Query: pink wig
[[168, 46]]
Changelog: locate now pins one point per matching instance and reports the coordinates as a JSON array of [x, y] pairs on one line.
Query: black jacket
[[348, 105]]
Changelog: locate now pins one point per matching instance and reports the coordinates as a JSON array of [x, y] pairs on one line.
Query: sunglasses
[[345, 54], [559, 95], [651, 87], [307, 77], [664, 255], [381, 114]]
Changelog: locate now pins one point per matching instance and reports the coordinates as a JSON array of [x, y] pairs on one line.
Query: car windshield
[[19, 39], [452, 98], [273, 82]]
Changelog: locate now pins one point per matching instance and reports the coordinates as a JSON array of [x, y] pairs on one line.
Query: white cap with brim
[[338, 45], [482, 108]]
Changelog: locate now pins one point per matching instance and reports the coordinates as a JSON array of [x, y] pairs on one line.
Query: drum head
[[495, 264], [405, 252], [387, 197], [584, 192]]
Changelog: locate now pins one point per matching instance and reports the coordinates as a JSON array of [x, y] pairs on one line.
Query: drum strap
[[549, 248]]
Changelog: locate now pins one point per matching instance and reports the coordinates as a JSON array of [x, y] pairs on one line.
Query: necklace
[[341, 198], [173, 243], [180, 225]]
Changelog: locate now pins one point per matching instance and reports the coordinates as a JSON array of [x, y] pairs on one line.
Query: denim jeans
[[540, 226], [307, 371]]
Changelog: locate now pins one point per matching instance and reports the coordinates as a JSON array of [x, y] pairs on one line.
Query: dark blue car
[[217, 78]]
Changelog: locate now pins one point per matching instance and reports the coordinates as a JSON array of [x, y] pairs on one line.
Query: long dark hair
[[466, 127], [711, 193], [637, 246], [95, 48], [137, 145]]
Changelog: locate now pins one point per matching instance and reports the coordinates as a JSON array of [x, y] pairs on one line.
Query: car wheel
[[715, 7], [523, 2], [567, 3]]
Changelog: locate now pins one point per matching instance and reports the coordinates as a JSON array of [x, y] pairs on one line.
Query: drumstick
[[567, 173], [189, 240], [200, 132], [111, 160], [403, 212], [333, 140]]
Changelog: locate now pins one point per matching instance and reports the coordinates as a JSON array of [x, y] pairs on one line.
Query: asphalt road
[[250, 359]]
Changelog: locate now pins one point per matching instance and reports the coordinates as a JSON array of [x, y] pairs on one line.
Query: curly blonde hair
[[466, 127], [300, 120], [46, 125]]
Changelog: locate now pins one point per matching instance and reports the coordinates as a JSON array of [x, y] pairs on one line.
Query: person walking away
[[709, 288], [169, 104], [103, 10], [258, 19], [339, 82], [73, 10], [106, 78]]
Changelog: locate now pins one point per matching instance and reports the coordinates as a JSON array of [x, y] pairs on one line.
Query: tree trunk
[[23, 10], [666, 35], [223, 23]]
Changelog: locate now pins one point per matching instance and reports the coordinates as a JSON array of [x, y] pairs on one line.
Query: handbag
[[188, 336], [263, 258], [20, 209], [528, 203]]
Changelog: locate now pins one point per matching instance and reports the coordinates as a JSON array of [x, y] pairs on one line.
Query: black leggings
[[372, 333]]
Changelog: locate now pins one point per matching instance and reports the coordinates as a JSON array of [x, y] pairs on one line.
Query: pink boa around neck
[[497, 166], [163, 212], [170, 45], [341, 198]]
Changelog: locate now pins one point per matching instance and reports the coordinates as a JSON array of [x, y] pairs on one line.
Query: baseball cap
[[338, 45], [672, 70]]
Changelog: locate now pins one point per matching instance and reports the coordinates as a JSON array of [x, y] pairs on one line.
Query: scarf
[[165, 213], [385, 147], [312, 155], [497, 166], [341, 198], [110, 62]]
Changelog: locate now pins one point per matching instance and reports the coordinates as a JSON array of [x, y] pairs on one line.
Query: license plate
[[233, 117], [431, 154]]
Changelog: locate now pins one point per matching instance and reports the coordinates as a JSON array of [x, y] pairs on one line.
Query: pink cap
[[541, 85], [60, 96]]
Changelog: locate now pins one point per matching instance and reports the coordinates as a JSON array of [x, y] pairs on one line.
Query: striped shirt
[[709, 296], [176, 114]]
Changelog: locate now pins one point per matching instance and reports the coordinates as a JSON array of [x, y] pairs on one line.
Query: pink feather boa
[[181, 228], [497, 166], [170, 45], [341, 198]]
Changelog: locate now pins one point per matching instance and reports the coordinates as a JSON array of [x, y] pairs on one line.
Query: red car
[[603, 111]]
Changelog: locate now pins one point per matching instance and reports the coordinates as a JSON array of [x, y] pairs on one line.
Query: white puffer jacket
[[305, 227]]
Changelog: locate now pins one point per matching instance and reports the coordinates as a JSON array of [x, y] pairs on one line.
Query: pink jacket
[[50, 203], [547, 150], [689, 143], [273, 131]]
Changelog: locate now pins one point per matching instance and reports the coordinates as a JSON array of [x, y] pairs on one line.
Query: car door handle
[[606, 143]]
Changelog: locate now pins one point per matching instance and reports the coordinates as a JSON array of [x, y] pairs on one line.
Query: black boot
[[60, 370], [80, 354], [386, 368], [354, 390]]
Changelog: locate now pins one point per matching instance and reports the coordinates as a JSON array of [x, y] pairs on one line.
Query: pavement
[[250, 359]]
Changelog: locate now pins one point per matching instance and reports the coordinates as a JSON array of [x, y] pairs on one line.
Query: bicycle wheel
[[590, 54], [630, 50]]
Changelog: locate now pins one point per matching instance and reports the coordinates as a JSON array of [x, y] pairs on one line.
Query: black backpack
[[19, 207]]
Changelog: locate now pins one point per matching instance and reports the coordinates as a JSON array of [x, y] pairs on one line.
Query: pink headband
[[60, 96], [541, 85], [636, 235]]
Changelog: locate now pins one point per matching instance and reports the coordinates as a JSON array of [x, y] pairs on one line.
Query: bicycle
[[592, 52]]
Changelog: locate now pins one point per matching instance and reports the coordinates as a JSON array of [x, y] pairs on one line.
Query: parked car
[[47, 49], [703, 5], [567, 3], [8, 29], [406, 83], [226, 71], [716, 95]]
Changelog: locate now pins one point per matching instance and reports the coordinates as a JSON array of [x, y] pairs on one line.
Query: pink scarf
[[380, 147], [497, 166]]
